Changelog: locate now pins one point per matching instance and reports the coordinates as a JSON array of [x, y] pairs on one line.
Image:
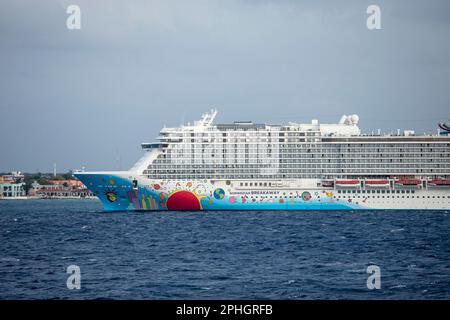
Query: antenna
[[207, 119]]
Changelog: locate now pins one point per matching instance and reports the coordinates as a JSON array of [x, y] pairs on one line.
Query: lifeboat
[[347, 183], [408, 182], [439, 182], [377, 183]]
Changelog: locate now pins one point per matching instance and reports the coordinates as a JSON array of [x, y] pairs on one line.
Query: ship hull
[[125, 191]]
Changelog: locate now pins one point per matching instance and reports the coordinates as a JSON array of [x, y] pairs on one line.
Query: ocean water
[[220, 255]]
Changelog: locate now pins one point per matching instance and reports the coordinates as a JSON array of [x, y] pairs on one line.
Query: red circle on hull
[[183, 201]]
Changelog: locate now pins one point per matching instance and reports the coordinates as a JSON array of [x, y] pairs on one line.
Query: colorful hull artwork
[[119, 194]]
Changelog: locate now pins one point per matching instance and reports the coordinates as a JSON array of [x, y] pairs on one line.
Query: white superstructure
[[302, 151]]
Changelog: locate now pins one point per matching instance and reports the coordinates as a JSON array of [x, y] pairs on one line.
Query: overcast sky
[[89, 97]]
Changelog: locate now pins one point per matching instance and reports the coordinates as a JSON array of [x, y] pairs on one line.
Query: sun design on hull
[[182, 200]]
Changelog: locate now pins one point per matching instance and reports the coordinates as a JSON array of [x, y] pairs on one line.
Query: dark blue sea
[[220, 255]]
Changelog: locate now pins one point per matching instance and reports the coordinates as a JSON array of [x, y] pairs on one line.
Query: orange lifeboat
[[408, 182], [377, 183], [348, 183], [439, 182]]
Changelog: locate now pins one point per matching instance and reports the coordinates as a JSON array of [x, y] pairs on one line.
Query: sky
[[89, 97]]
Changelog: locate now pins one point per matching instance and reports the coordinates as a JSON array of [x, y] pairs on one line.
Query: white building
[[12, 190], [12, 187]]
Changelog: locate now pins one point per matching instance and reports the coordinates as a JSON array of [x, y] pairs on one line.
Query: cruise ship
[[252, 166]]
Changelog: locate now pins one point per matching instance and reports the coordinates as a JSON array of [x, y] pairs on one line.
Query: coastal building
[[68, 183], [12, 190], [62, 189], [12, 187], [13, 177], [59, 192]]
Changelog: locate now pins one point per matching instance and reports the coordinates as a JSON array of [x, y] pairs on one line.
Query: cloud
[[89, 97]]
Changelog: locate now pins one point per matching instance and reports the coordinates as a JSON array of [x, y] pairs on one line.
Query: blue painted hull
[[118, 194]]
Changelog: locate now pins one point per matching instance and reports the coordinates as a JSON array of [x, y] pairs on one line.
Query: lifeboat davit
[[408, 182], [439, 182], [377, 183], [348, 183]]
